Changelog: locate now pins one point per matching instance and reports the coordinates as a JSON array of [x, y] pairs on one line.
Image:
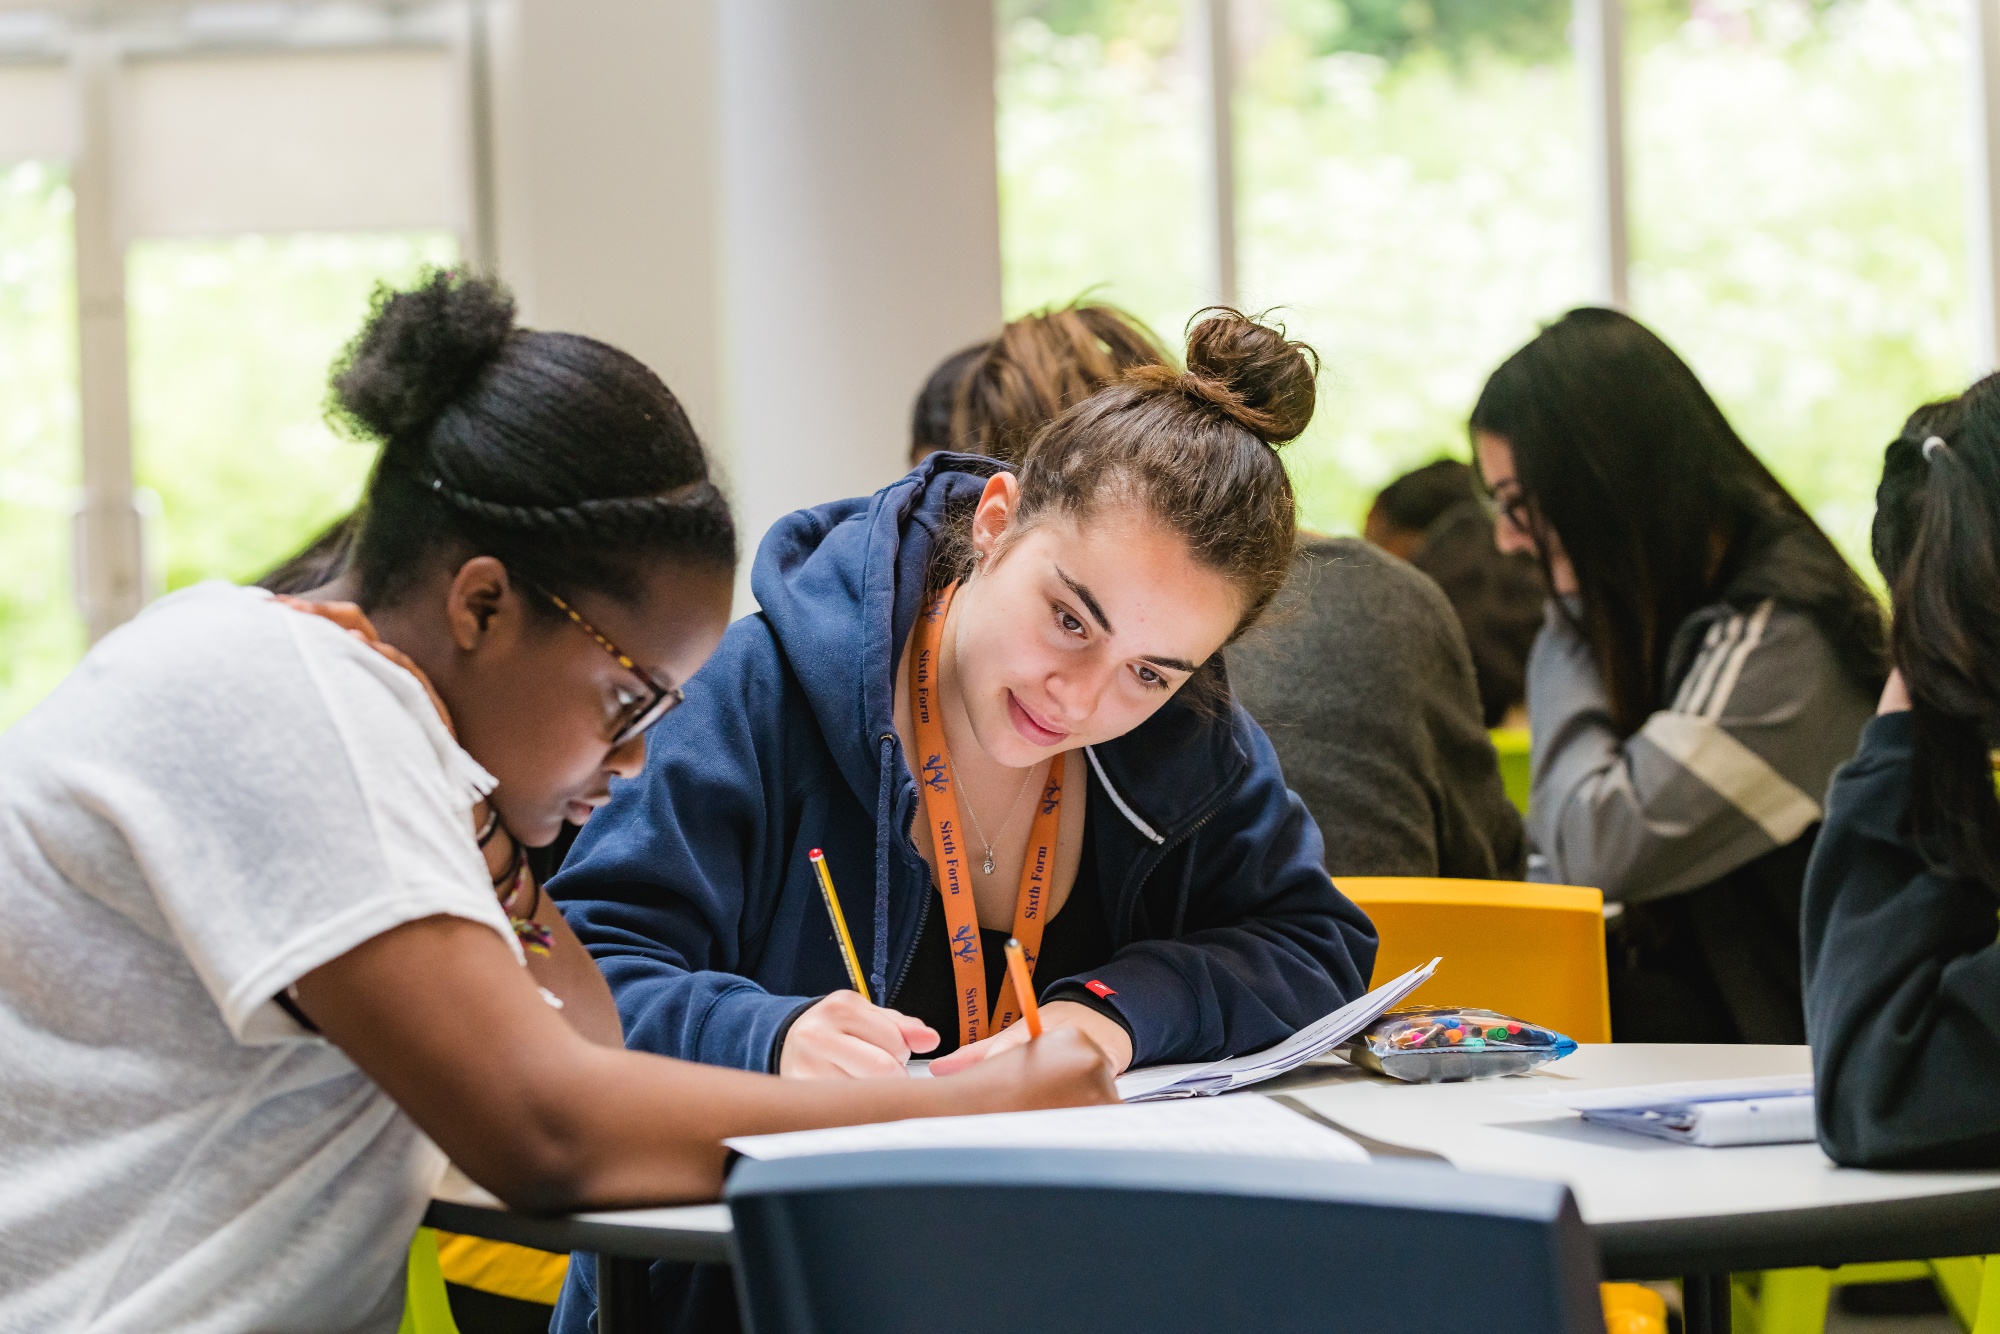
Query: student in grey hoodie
[[1708, 660]]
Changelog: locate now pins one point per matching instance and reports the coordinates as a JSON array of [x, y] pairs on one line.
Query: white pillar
[[1598, 29], [861, 237], [1213, 49], [1982, 182], [476, 141], [603, 212], [109, 570], [789, 208]]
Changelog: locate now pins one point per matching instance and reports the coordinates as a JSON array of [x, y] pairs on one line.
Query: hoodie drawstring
[[879, 961]]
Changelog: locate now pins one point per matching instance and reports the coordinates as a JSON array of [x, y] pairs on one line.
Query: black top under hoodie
[[1902, 975]]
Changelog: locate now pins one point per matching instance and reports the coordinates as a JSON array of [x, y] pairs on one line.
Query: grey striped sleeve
[[1733, 768]]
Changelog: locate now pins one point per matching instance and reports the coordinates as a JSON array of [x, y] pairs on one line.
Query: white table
[[1657, 1210], [1663, 1210]]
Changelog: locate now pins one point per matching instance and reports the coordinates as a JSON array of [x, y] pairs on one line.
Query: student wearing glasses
[[1707, 661], [996, 700], [260, 866]]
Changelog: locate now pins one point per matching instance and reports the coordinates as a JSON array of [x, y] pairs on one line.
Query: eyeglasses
[[639, 712], [1512, 506]]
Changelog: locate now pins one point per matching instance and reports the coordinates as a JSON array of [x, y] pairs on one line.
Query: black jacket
[[1902, 976]]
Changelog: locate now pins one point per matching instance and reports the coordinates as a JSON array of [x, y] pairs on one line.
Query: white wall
[[37, 112], [861, 237], [787, 207], [604, 123], [216, 145]]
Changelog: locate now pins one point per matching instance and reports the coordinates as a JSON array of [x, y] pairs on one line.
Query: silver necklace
[[1012, 811]]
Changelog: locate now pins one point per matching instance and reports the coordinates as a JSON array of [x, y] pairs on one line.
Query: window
[[1798, 207], [231, 341], [1411, 203], [39, 468], [1100, 158]]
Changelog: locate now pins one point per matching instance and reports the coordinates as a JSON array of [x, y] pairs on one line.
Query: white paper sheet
[[1250, 1126], [1309, 1043]]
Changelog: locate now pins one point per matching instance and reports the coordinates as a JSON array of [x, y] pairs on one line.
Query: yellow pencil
[[1024, 989], [854, 973]]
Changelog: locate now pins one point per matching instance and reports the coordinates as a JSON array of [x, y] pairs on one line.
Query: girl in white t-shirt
[[254, 965]]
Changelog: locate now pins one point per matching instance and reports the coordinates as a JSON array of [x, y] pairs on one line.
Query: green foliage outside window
[[1411, 199], [231, 341], [40, 632]]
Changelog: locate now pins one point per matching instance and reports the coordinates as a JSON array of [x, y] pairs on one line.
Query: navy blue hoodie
[[692, 890]]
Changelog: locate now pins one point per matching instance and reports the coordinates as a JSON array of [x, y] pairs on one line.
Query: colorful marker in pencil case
[[1444, 1044]]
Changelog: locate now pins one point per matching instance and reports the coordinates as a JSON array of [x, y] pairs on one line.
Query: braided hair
[[563, 457]]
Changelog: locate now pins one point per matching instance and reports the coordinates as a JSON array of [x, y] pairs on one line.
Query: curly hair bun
[[1265, 382], [418, 349]]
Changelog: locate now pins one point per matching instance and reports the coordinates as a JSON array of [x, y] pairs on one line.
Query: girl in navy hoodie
[[996, 700]]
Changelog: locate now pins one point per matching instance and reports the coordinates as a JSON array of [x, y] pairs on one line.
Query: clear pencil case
[[1442, 1044]]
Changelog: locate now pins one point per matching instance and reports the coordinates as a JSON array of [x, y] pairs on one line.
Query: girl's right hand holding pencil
[[845, 1036]]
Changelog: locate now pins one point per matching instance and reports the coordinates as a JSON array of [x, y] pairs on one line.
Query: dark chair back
[[1041, 1241]]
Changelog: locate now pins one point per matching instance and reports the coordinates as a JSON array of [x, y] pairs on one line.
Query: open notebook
[[1309, 1043]]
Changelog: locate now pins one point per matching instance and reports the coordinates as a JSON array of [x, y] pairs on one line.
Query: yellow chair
[[1632, 1308], [490, 1266], [1511, 745], [1532, 951], [499, 1267], [1535, 952]]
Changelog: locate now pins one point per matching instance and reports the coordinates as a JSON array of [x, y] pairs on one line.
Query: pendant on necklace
[[989, 861]]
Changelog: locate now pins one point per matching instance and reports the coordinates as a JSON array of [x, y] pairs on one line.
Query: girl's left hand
[[1108, 1034]]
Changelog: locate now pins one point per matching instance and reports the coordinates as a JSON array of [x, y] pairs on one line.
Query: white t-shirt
[[224, 795]]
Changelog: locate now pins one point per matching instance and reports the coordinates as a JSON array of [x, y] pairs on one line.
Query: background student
[[994, 700], [1362, 678], [257, 974], [1708, 661], [1357, 674], [1902, 969], [1437, 518], [992, 397]]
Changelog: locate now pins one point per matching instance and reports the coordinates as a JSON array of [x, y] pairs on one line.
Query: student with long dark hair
[[1708, 660], [994, 698], [257, 973], [1902, 969]]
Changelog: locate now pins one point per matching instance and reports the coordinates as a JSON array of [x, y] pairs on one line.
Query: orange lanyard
[[961, 916]]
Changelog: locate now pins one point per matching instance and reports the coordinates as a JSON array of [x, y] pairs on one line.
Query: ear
[[481, 600], [999, 504]]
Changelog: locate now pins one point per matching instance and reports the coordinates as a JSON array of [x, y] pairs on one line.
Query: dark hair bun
[[416, 352], [1265, 382]]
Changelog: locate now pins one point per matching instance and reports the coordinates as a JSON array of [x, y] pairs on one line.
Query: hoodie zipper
[[1161, 853], [903, 973]]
